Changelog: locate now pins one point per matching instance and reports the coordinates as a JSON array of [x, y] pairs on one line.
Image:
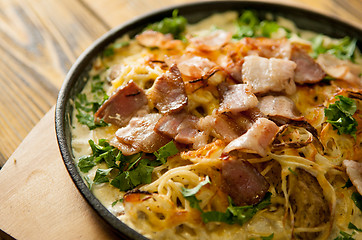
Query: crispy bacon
[[269, 48], [256, 139], [192, 66], [211, 42], [122, 105], [168, 91], [307, 70], [278, 106], [151, 38], [354, 172], [180, 126], [242, 182], [264, 75], [139, 135], [223, 125], [238, 98], [340, 69]]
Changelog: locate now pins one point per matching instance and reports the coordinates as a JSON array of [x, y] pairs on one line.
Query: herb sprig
[[123, 172], [249, 25], [175, 25], [340, 114], [86, 108], [343, 49], [233, 215]]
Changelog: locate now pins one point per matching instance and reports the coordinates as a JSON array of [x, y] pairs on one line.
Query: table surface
[[41, 39]]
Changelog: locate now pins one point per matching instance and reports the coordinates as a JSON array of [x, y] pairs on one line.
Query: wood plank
[[114, 12], [40, 39], [38, 198]]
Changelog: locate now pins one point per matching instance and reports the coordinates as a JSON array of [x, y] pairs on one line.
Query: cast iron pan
[[74, 81]]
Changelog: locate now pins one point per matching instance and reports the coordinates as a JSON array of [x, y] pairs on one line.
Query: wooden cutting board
[[38, 199]]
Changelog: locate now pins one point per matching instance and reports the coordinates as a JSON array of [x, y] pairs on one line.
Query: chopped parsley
[[117, 201], [249, 25], [340, 114], [166, 151], [101, 176], [189, 194], [348, 184], [112, 48], [343, 49], [344, 236], [293, 172], [270, 237], [175, 25], [347, 236], [233, 214], [128, 172], [86, 108], [352, 226], [236, 214], [357, 199]]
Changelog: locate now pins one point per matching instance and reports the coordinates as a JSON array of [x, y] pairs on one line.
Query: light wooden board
[[38, 198]]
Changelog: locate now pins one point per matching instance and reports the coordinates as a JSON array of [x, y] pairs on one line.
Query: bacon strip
[[264, 75], [168, 91], [340, 69], [354, 171], [150, 38], [211, 42], [242, 182], [238, 98], [278, 106], [256, 139], [139, 135], [307, 70], [122, 105], [180, 126]]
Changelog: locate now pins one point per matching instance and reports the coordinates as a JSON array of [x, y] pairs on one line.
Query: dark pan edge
[[62, 120]]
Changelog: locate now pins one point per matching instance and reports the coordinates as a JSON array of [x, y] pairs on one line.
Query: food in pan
[[230, 128]]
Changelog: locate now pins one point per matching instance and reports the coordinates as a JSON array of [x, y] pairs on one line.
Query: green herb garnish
[[293, 172], [112, 48], [344, 236], [189, 194], [357, 199], [249, 25], [348, 184], [352, 226], [175, 25], [270, 237], [86, 108], [129, 171], [343, 49], [340, 114], [117, 201], [166, 151], [101, 176], [233, 214]]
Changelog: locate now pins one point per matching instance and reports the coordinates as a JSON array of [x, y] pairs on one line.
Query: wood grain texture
[[114, 12], [38, 198], [40, 40]]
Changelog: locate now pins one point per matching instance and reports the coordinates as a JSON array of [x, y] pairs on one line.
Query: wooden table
[[39, 41]]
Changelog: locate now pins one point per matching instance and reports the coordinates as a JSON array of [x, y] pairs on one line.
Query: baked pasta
[[230, 128]]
